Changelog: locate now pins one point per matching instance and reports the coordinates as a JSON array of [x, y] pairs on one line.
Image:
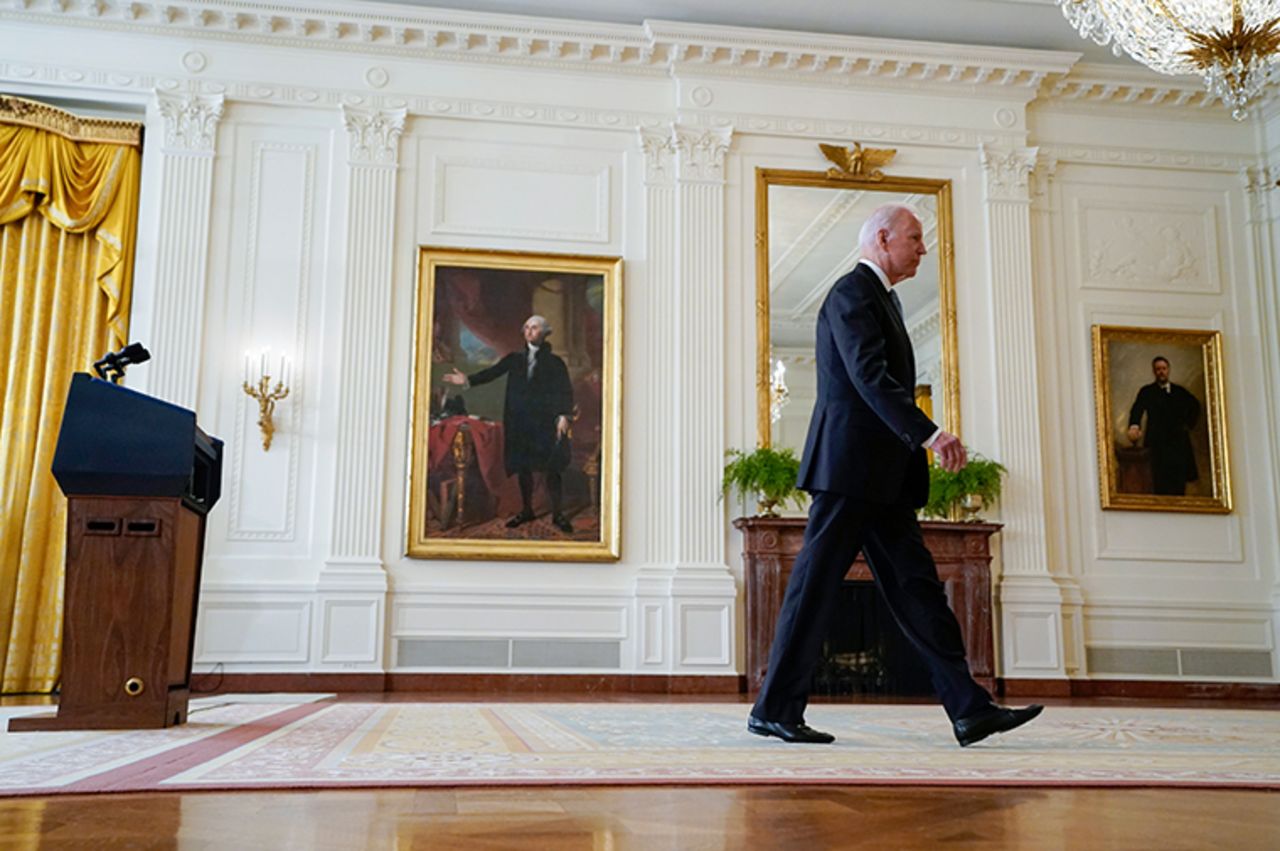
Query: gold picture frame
[[487, 442], [883, 188], [1165, 452]]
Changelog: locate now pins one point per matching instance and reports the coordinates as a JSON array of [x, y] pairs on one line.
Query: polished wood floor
[[807, 818], [563, 819]]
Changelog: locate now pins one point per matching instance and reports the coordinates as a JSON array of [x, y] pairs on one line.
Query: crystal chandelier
[[1232, 43]]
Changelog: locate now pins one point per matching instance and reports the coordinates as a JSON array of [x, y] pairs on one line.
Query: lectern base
[[132, 583], [157, 716]]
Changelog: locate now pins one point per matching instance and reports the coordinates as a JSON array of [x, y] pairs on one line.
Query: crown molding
[[1128, 86], [658, 48], [809, 58]]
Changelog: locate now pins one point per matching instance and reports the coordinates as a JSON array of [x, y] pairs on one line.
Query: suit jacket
[[865, 438], [1170, 417], [530, 408]]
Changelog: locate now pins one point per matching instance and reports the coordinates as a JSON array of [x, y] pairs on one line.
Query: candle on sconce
[[259, 388]]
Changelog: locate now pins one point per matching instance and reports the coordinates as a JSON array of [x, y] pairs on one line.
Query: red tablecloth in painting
[[486, 437]]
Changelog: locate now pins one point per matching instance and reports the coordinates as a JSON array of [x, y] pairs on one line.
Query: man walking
[[866, 470]]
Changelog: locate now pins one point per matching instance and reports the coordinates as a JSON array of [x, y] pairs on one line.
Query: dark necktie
[[911, 355], [897, 306]]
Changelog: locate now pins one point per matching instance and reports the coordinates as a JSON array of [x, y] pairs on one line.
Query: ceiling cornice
[[655, 48]]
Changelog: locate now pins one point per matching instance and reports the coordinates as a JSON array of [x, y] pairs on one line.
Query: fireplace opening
[[866, 652]]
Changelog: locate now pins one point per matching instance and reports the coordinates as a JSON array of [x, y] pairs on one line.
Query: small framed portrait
[[1161, 420], [517, 410]]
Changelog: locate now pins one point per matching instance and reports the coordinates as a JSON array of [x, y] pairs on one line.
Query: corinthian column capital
[[374, 134], [1008, 172], [701, 153], [190, 121]]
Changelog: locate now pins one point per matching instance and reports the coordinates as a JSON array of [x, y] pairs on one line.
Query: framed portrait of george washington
[[1161, 420], [515, 447]]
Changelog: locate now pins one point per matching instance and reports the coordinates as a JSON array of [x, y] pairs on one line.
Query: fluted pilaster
[[1260, 184], [182, 243], [366, 315], [685, 595], [653, 616], [1031, 598], [664, 335], [1008, 208], [700, 276]]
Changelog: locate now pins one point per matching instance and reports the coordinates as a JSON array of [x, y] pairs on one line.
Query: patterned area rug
[[256, 744]]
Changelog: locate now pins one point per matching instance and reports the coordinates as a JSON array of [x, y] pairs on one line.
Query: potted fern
[[964, 493], [767, 474]]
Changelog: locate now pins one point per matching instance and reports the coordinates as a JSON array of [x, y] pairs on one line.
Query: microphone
[[112, 364]]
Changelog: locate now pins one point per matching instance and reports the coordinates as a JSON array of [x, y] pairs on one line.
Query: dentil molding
[[654, 47], [658, 48]]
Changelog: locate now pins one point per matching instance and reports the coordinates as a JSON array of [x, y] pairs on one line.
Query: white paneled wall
[[294, 170], [1165, 595]]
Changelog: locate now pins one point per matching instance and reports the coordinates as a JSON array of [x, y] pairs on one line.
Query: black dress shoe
[[562, 523], [996, 719], [798, 732], [519, 519]]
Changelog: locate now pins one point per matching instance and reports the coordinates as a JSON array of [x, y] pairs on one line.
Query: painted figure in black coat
[[1171, 413], [865, 468], [535, 417]]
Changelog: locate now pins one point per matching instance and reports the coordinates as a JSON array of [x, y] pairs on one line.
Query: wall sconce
[[257, 383], [778, 392]]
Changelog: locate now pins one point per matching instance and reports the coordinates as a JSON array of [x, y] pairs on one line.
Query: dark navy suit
[[866, 470]]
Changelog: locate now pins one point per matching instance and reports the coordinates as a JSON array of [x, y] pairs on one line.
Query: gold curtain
[[68, 220]]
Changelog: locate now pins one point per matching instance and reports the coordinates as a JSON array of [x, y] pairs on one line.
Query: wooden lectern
[[140, 477]]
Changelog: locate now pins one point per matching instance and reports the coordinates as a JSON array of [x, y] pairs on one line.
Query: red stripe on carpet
[[152, 771]]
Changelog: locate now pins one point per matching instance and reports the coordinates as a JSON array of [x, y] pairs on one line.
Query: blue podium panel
[[121, 442]]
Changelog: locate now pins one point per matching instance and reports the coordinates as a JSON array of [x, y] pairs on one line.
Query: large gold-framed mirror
[[807, 226]]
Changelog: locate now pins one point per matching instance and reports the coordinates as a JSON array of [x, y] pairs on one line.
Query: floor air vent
[[1190, 662], [515, 653]]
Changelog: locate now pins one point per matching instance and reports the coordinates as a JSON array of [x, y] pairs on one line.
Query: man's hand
[[1134, 434], [952, 456], [455, 377], [562, 426]]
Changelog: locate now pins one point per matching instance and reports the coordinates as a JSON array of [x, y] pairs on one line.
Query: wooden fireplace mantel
[[961, 550]]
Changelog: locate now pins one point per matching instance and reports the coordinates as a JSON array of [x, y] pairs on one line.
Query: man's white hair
[[541, 320], [883, 217]]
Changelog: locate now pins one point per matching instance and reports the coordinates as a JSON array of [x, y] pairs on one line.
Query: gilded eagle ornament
[[857, 161]]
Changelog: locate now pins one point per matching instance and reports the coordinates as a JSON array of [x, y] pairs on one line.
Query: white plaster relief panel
[[1158, 247]]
